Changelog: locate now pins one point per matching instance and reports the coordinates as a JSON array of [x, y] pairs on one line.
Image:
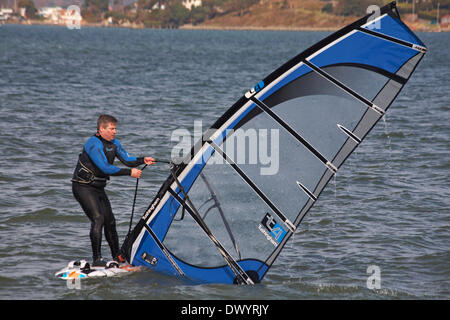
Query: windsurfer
[[94, 166]]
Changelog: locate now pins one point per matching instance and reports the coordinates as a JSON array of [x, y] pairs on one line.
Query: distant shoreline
[[213, 27], [413, 26], [256, 28]]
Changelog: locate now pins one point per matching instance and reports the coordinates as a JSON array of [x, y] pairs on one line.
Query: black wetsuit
[[95, 165]]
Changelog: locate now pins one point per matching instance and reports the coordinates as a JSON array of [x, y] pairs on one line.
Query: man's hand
[[149, 161], [136, 173]]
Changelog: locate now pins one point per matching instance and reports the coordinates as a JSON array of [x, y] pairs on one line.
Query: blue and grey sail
[[219, 220]]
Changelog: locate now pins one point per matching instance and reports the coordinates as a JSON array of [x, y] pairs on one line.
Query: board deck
[[80, 269]]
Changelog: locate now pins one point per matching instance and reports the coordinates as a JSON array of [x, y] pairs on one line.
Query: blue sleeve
[[124, 157], [94, 149], [122, 154]]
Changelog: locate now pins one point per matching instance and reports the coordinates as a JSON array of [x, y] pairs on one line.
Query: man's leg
[[90, 201], [110, 227]]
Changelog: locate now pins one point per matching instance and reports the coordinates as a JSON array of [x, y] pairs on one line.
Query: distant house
[[51, 13], [58, 15], [445, 20], [189, 4], [5, 13], [158, 6], [71, 17]]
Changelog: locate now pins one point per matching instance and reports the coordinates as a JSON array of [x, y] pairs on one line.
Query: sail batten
[[395, 40]]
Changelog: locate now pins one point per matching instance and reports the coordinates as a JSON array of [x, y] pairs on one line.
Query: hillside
[[279, 14], [294, 15], [241, 14]]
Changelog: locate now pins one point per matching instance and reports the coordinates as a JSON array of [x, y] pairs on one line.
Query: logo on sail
[[273, 231]]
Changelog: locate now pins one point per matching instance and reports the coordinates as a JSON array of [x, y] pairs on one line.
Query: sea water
[[379, 231]]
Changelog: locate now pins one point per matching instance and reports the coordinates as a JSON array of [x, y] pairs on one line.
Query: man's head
[[106, 126]]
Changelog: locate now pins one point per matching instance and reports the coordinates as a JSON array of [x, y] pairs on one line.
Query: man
[[95, 165]]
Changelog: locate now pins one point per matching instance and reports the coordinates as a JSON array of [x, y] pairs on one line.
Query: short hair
[[104, 119]]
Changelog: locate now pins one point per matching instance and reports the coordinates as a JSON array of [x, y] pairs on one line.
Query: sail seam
[[344, 87]]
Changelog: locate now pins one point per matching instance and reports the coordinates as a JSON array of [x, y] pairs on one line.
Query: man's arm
[[125, 158], [94, 149]]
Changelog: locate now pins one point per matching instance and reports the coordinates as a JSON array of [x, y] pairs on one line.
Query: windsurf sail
[[223, 216]]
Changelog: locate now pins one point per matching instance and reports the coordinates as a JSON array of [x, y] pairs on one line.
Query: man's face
[[109, 132]]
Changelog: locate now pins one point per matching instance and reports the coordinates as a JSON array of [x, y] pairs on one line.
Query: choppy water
[[388, 206]]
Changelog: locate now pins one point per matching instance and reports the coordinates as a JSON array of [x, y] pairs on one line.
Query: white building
[[58, 15], [5, 13], [71, 17], [51, 13], [189, 4], [158, 6]]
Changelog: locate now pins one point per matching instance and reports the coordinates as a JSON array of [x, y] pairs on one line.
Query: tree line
[[161, 13]]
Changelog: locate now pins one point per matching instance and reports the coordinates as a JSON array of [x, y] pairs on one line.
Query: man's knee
[[97, 223]]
